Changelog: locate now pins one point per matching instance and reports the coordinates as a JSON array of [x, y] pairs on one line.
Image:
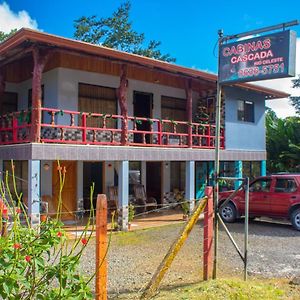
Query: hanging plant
[[173, 122], [137, 121], [150, 121], [21, 116]]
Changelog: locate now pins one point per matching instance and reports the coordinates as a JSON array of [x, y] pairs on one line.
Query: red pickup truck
[[275, 196]]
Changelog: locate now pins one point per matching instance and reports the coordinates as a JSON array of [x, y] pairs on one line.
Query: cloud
[[282, 106], [14, 20]]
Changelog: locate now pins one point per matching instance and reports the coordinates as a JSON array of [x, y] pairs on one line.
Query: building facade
[[117, 119]]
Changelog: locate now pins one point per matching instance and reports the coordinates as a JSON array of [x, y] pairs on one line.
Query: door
[[92, 173], [260, 197], [69, 192], [285, 193], [142, 107], [153, 180]]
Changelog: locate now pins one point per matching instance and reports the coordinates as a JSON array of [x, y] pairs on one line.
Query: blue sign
[[260, 58]]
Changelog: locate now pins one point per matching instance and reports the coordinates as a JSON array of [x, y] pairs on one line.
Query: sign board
[[260, 58]]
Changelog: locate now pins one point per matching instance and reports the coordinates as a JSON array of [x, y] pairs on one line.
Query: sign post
[[258, 58]]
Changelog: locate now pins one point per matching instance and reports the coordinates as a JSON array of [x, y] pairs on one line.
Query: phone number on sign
[[262, 70]]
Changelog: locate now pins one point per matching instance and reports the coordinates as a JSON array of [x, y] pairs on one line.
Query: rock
[[295, 280]]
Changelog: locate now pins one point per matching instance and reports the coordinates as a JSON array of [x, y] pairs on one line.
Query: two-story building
[[111, 117]]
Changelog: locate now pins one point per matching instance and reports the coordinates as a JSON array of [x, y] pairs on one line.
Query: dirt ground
[[134, 256]]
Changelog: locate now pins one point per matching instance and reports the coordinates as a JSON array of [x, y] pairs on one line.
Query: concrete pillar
[[263, 168], [80, 201], [190, 183], [123, 193], [34, 167], [238, 167]]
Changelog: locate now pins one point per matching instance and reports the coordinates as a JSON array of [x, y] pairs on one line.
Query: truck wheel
[[228, 213], [295, 218]]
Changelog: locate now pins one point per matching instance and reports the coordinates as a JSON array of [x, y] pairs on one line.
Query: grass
[[233, 289]]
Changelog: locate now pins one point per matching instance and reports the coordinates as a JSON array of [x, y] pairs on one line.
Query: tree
[[283, 143], [295, 100], [4, 36], [117, 32]]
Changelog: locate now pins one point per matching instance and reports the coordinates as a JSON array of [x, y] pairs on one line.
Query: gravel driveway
[[134, 256]]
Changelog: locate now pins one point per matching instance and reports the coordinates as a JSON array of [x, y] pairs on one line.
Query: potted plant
[[185, 209], [131, 213]]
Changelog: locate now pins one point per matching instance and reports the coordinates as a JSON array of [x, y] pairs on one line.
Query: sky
[[187, 29]]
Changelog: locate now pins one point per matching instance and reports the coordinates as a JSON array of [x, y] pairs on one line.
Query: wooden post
[[101, 248], [39, 59], [174, 249], [189, 110], [83, 124], [208, 235], [2, 89], [122, 97]]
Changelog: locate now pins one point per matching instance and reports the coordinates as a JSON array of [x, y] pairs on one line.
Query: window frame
[[244, 114]]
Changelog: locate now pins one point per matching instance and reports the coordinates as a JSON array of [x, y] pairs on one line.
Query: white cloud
[[14, 20], [282, 106]]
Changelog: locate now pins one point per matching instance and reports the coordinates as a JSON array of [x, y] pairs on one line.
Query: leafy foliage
[[283, 143], [295, 100], [117, 32], [4, 36]]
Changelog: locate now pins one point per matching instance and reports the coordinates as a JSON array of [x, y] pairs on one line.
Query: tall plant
[[39, 262]]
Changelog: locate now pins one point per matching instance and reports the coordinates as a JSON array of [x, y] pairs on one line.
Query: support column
[[34, 167], [189, 110], [238, 167], [2, 89], [123, 193], [122, 97], [263, 168], [190, 183], [40, 59]]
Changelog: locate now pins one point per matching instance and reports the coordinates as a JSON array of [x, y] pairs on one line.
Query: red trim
[[160, 134]]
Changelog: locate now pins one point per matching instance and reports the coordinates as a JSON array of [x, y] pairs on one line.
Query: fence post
[[83, 124], [208, 235], [101, 248]]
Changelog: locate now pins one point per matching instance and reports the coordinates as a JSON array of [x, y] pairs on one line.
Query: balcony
[[71, 127]]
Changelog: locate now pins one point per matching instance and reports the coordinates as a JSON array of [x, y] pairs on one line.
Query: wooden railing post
[[208, 235], [14, 129], [159, 129], [83, 124], [101, 248]]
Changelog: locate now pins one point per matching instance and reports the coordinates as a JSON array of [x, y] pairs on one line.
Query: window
[[245, 111], [173, 109], [97, 99], [284, 185], [9, 102], [261, 185]]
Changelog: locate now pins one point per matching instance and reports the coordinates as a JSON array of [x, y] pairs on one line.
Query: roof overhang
[[25, 37]]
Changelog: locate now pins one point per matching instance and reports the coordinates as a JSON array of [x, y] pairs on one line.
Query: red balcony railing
[[15, 128], [71, 127]]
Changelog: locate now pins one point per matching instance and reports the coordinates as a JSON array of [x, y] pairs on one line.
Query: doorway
[[92, 173], [153, 180], [142, 107], [69, 192]]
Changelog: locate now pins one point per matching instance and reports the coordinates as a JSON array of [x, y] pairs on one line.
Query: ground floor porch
[[165, 181]]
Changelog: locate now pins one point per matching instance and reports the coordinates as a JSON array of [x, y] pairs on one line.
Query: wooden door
[[69, 190]]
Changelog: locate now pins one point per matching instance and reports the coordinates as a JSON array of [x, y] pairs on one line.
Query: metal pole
[[261, 30], [217, 163], [246, 227]]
